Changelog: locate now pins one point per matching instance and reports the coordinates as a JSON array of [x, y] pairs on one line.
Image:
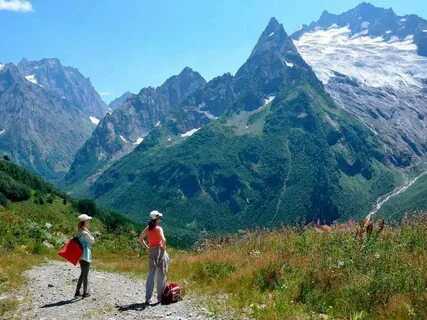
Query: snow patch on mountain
[[32, 78], [94, 120], [208, 115], [2, 131], [123, 139], [189, 133], [372, 61], [1, 66], [365, 25], [289, 64], [138, 141], [268, 100]]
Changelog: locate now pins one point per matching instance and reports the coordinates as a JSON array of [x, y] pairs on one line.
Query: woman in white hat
[[87, 240], [158, 258]]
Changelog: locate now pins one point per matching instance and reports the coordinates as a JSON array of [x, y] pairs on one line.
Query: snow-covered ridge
[[372, 61], [189, 133], [94, 120], [1, 66]]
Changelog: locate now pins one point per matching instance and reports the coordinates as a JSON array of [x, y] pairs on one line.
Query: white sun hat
[[84, 217], [155, 214]]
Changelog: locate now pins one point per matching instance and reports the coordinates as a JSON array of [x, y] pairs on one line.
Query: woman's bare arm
[[142, 238], [163, 239]]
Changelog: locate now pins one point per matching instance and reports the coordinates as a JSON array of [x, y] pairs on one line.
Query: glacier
[[372, 61]]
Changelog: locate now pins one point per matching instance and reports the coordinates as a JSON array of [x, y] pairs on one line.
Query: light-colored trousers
[[158, 262]]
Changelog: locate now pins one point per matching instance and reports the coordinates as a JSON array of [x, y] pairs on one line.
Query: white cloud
[[16, 5]]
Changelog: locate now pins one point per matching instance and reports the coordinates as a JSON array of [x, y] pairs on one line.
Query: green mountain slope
[[34, 216], [296, 159]]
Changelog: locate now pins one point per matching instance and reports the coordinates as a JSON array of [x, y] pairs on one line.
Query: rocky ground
[[50, 289]]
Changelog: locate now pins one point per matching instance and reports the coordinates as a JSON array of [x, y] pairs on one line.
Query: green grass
[[296, 274]]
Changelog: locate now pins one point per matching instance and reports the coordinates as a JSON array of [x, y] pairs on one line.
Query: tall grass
[[303, 274]]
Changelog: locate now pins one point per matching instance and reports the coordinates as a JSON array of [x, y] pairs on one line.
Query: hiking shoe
[[86, 295], [77, 294]]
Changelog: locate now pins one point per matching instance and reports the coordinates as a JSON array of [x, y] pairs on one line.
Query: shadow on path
[[135, 307], [59, 303]]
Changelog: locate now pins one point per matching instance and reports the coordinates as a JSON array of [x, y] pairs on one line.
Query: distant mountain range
[[47, 112], [276, 149], [316, 125]]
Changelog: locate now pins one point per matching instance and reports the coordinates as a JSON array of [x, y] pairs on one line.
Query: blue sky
[[129, 44]]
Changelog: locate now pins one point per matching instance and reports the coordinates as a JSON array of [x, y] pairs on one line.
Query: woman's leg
[[80, 281], [85, 273], [149, 286], [161, 277], [161, 282]]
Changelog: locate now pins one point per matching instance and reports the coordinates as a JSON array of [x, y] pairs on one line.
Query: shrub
[[3, 200], [13, 190], [87, 206], [268, 278], [50, 199]]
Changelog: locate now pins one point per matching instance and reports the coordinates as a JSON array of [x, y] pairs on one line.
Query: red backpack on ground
[[72, 251], [172, 293]]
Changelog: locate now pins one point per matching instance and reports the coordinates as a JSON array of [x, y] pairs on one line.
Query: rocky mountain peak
[[66, 82], [9, 76], [178, 87], [273, 39]]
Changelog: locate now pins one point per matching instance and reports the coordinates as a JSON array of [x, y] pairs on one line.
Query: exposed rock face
[[38, 128], [65, 82], [116, 103], [374, 64], [124, 129]]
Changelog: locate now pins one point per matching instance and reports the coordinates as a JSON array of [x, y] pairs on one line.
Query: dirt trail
[[50, 290]]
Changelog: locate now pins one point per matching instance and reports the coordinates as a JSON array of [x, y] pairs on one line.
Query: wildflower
[[255, 253]]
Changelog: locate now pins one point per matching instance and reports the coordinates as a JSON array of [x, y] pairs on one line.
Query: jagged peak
[[273, 38], [187, 70], [184, 75], [49, 61]]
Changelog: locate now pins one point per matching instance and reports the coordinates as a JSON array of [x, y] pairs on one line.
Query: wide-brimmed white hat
[[155, 214], [84, 217]]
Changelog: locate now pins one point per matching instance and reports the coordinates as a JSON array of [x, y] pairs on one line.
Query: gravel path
[[51, 288]]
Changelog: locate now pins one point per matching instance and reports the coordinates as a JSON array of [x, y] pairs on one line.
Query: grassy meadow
[[304, 274]]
